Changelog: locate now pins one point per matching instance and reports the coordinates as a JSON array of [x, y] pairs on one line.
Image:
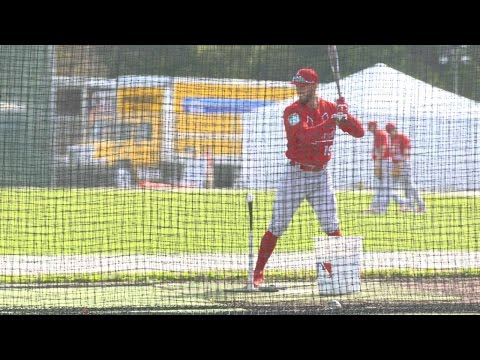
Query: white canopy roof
[[444, 129]]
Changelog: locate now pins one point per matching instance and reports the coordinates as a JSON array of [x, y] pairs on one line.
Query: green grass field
[[110, 221]]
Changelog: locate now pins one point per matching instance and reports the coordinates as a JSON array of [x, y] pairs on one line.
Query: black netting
[[142, 179]]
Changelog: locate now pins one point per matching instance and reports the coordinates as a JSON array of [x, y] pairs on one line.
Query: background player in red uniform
[[381, 170], [402, 169], [310, 126]]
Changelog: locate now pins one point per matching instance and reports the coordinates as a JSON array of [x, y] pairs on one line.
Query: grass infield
[[109, 221]]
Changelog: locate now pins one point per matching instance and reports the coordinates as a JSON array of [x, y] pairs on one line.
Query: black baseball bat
[[334, 65]]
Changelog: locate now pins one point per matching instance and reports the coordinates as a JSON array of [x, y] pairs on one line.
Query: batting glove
[[342, 109]]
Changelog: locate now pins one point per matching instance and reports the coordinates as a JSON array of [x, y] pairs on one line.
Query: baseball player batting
[[310, 126]]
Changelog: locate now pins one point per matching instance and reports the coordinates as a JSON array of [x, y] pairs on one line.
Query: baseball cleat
[[372, 211], [405, 208], [258, 278]]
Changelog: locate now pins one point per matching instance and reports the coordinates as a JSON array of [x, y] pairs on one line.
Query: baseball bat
[[334, 65], [250, 198]]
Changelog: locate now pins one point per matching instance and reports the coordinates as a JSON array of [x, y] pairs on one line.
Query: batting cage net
[[212, 180]]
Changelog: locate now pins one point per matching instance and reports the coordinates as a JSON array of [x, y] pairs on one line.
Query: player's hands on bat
[[342, 109], [342, 106]]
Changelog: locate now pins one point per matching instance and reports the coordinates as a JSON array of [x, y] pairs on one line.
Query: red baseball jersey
[[398, 145], [381, 140], [310, 132]]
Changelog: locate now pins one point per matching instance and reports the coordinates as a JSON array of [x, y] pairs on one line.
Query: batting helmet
[[390, 126], [305, 76]]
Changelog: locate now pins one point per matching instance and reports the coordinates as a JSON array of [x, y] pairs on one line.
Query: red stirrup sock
[[335, 233], [267, 245]]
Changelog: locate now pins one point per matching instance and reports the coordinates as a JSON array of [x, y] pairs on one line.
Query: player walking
[[310, 126], [381, 171], [402, 170]]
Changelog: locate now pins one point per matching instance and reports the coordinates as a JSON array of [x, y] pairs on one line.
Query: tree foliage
[[267, 62]]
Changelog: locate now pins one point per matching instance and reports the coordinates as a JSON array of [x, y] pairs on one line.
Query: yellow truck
[[126, 125], [151, 125]]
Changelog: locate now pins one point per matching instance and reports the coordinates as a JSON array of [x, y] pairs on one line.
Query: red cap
[[305, 76], [390, 126], [372, 123]]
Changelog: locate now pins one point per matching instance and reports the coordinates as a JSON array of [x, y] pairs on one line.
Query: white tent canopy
[[444, 129]]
